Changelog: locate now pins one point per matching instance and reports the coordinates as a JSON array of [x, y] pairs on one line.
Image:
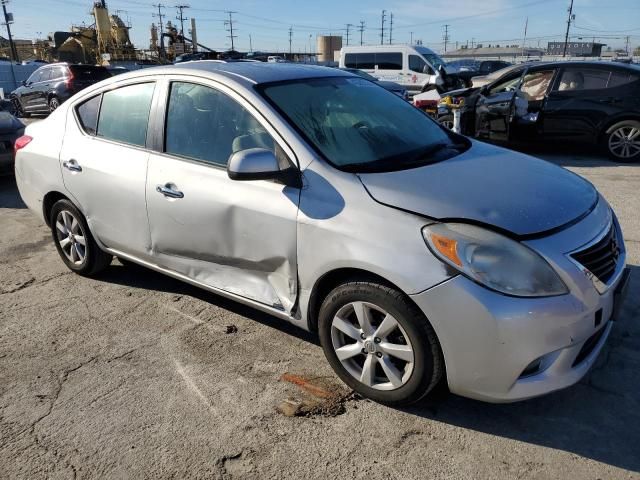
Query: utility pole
[[290, 38], [250, 44], [361, 29], [627, 48], [8, 20], [566, 37], [411, 41], [445, 37], [391, 29], [349, 25], [181, 17], [160, 16], [384, 14], [230, 30]]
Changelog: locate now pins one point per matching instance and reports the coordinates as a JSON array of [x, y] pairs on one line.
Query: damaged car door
[[494, 108], [236, 236]]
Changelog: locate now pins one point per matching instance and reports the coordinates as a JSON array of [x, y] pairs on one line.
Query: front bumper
[[499, 348]]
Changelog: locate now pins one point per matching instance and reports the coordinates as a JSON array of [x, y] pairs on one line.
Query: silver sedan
[[417, 255]]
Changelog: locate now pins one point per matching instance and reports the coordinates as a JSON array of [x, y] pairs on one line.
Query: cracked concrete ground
[[134, 375]]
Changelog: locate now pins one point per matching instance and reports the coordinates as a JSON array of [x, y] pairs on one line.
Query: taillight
[[22, 142], [69, 80]]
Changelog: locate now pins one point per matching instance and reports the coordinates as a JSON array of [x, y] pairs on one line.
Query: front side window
[[124, 114], [508, 84], [36, 76], [359, 127], [417, 64], [435, 61], [88, 114], [207, 125], [535, 84]]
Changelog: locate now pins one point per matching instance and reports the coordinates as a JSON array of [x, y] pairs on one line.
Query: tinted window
[[621, 77], [360, 60], [207, 125], [89, 72], [35, 76], [45, 75], [583, 79], [389, 61], [58, 72], [508, 84], [417, 64], [535, 84], [88, 114], [124, 114]]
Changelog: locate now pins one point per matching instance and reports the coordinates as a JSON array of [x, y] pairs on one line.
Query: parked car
[[482, 68], [52, 84], [275, 59], [10, 130], [594, 103], [391, 86], [416, 68], [416, 254]]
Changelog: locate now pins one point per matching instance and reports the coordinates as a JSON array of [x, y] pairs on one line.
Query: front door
[[104, 162], [32, 95], [495, 107], [237, 236]]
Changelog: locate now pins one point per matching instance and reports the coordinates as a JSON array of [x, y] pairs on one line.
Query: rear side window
[[621, 77], [88, 114], [206, 124], [389, 60], [124, 114], [360, 60], [583, 79]]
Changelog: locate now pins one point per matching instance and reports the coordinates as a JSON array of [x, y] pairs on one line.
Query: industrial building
[[509, 53], [576, 49]]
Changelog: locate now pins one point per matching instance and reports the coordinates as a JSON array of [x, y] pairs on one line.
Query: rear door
[[584, 98], [104, 159], [236, 236]]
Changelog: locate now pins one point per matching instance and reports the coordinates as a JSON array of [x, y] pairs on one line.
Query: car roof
[[245, 72]]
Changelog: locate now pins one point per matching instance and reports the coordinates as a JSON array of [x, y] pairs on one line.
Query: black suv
[[52, 84]]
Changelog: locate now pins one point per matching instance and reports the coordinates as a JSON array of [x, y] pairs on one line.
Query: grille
[[601, 258]]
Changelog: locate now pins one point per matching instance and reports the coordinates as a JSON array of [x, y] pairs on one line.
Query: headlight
[[493, 260]]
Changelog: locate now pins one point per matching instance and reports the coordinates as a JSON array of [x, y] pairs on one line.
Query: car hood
[[9, 123], [488, 185]]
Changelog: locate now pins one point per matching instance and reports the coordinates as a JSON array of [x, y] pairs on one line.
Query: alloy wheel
[[53, 104], [372, 346], [624, 142], [71, 237]]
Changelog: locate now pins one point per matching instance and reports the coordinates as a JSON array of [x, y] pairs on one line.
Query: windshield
[[435, 61], [359, 126]]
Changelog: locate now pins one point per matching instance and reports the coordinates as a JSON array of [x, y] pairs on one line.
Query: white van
[[412, 66]]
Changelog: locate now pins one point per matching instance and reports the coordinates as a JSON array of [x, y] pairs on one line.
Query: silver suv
[[417, 255]]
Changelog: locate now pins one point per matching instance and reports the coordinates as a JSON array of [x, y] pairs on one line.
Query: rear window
[[89, 72]]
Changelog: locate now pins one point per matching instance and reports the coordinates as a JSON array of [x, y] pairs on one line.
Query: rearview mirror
[[260, 164]]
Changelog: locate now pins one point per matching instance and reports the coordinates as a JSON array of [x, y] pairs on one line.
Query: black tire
[[18, 111], [54, 103], [446, 121], [428, 367], [611, 137], [94, 260]]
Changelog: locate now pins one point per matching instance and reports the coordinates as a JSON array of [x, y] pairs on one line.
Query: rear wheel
[[74, 241], [53, 103], [446, 121], [379, 343], [623, 141]]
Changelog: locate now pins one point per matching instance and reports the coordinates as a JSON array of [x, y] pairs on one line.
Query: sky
[[268, 22]]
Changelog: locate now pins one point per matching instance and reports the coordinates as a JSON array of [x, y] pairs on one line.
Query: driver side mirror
[[260, 164], [24, 83], [428, 70]]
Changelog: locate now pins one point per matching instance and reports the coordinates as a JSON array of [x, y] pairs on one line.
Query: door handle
[[168, 191], [72, 165]]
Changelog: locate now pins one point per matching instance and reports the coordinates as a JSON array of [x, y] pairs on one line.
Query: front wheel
[[74, 242], [446, 121], [379, 343], [622, 141], [54, 103]]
